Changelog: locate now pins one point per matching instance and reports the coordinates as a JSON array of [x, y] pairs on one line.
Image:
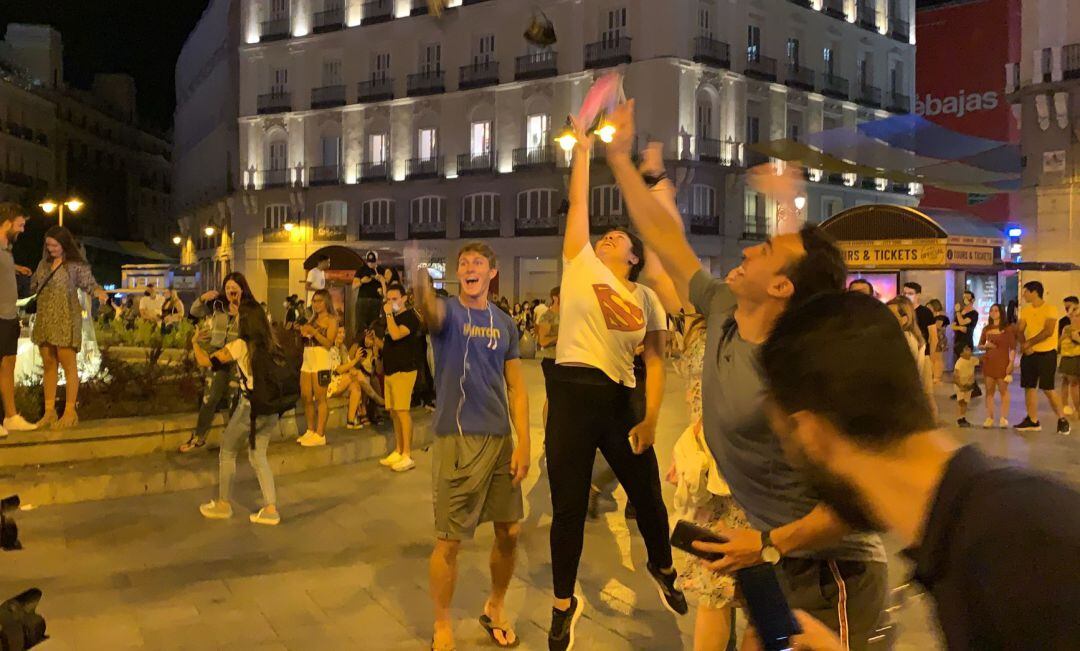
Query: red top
[[995, 363]]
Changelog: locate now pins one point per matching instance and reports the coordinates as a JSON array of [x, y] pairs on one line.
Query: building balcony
[[275, 178], [604, 223], [329, 20], [712, 52], [868, 95], [430, 229], [276, 235], [274, 29], [899, 103], [19, 179], [526, 224], [476, 163], [900, 30], [608, 52], [537, 65], [705, 224], [798, 76], [834, 8], [478, 75], [328, 96], [376, 90], [330, 233], [755, 158], [526, 157], [868, 16], [432, 82], [424, 168], [1070, 61], [724, 152], [382, 230], [326, 175], [371, 172], [760, 67], [419, 8], [802, 3], [275, 102], [755, 228], [466, 3], [481, 227], [377, 11], [835, 86]]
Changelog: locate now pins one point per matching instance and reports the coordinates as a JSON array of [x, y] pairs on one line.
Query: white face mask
[[395, 306]]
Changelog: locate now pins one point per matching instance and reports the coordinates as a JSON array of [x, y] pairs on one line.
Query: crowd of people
[[812, 417]]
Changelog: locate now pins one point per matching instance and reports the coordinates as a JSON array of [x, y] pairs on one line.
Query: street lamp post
[[48, 206]]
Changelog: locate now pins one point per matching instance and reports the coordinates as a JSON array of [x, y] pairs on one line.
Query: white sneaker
[[406, 463], [17, 423], [262, 517], [312, 440], [390, 460], [306, 434], [216, 510], [1003, 423], [988, 423], [3, 432]]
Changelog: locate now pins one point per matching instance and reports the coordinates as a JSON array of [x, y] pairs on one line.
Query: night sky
[[138, 37]]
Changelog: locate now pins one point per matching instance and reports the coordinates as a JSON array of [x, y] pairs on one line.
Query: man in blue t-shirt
[[477, 468]]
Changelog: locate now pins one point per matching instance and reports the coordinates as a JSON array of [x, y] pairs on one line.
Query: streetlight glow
[[74, 205], [48, 206], [176, 240], [288, 226], [606, 132], [566, 138], [800, 202], [209, 230]]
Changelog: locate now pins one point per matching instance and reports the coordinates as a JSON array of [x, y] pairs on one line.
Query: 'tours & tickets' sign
[[912, 254]]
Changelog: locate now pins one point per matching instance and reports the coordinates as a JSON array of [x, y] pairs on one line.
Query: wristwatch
[[769, 553]]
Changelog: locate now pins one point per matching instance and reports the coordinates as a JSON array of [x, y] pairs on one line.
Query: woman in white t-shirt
[[255, 338], [318, 336], [604, 316]]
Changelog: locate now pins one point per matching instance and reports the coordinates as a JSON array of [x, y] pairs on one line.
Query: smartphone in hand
[[684, 535], [767, 606]]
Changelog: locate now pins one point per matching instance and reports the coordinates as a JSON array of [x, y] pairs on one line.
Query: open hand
[[741, 549], [622, 118]]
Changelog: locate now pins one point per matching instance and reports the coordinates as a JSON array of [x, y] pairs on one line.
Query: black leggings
[[586, 412]]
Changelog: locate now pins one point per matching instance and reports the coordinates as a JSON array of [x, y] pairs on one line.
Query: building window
[[866, 70], [331, 151], [616, 27], [331, 72], [753, 128], [605, 200], [331, 214], [376, 214], [380, 67], [378, 147], [480, 210], [480, 139], [794, 125], [703, 201], [275, 215], [426, 144], [431, 58], [829, 57], [704, 21], [896, 78], [280, 81], [704, 115], [754, 209], [279, 9], [753, 43], [427, 214], [793, 52], [830, 206], [536, 205], [484, 49], [279, 155], [537, 128]]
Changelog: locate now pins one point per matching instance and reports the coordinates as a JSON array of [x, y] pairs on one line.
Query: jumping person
[[605, 316], [255, 338], [826, 568], [319, 336], [12, 224], [477, 469]]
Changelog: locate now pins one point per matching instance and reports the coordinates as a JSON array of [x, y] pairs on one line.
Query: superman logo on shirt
[[619, 314]]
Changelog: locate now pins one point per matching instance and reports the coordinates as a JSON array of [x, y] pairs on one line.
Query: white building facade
[[366, 124]]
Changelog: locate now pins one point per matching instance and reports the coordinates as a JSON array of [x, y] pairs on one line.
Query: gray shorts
[[472, 483], [847, 596]]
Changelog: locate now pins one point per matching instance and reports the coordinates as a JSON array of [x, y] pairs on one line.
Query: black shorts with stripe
[[847, 596]]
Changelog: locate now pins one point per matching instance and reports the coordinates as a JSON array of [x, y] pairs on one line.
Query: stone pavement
[[347, 569]]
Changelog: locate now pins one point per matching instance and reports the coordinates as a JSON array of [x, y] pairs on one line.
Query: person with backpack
[[267, 389]]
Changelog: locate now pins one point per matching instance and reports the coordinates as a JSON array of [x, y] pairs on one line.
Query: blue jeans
[[234, 438]]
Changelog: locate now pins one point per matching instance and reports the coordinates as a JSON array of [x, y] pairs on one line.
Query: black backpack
[[275, 385]]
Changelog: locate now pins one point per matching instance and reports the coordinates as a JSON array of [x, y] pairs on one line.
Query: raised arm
[[577, 217], [428, 305], [659, 229]]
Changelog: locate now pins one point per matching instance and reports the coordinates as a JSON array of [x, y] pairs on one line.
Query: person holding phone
[[401, 362], [996, 546], [318, 337]]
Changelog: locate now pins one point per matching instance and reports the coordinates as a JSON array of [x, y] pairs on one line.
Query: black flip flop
[[193, 444], [490, 627]]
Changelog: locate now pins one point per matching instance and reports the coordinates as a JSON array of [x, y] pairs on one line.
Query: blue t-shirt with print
[[470, 353]]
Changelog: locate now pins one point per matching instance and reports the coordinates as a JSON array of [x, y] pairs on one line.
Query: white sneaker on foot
[[391, 459], [3, 432], [17, 423], [216, 510], [1003, 423], [406, 463], [263, 517], [312, 440], [988, 423], [306, 434]]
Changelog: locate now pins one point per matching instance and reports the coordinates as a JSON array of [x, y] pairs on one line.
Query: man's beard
[[840, 495]]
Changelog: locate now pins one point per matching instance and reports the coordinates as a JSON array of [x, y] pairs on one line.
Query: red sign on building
[[962, 53]]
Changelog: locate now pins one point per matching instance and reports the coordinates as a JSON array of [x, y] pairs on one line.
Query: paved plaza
[[347, 569]]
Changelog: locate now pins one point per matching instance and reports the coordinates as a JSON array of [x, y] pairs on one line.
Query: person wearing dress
[[999, 341], [57, 330]]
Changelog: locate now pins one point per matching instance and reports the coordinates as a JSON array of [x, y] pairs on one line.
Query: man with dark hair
[[369, 283], [924, 316], [1037, 335], [862, 286], [826, 567], [316, 278], [401, 362], [1070, 301], [997, 547], [12, 224]]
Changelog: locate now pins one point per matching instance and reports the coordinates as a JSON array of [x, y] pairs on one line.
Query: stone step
[[168, 471], [126, 437]]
